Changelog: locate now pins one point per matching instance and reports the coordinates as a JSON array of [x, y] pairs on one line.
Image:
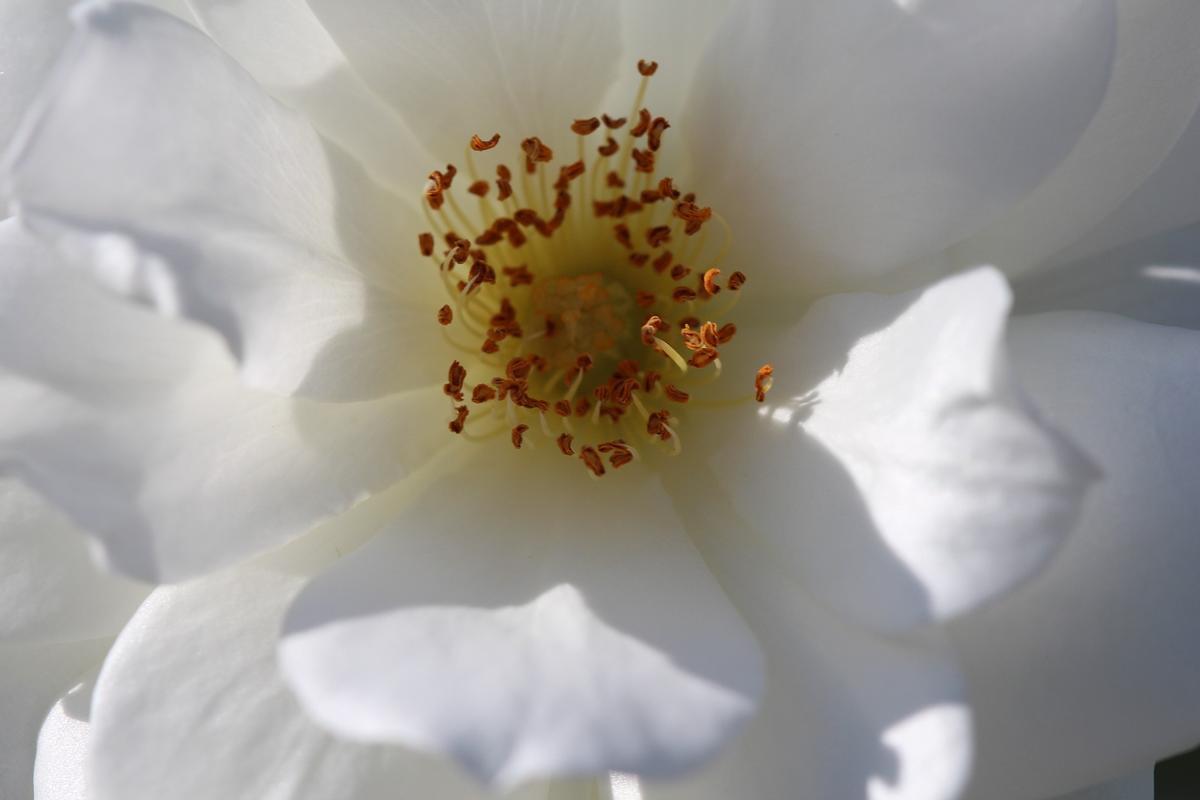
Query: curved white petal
[[281, 43], [63, 745], [1154, 280], [453, 69], [50, 589], [843, 140], [31, 34], [527, 623], [154, 160], [190, 706], [1167, 200], [895, 467], [138, 427], [32, 678], [1150, 101], [847, 714], [1093, 669]]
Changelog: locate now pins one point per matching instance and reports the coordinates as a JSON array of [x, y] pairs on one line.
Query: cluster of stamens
[[581, 315]]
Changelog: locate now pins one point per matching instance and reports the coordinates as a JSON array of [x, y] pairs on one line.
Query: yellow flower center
[[590, 309]]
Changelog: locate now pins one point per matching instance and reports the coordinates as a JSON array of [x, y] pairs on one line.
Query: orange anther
[[454, 384], [675, 393], [709, 280], [518, 435], [762, 382], [591, 459], [479, 145], [585, 126], [425, 241], [643, 124]]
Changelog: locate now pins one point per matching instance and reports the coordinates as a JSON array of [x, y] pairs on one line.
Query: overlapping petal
[[1154, 280], [63, 745], [1093, 670], [50, 589], [32, 678], [1149, 104], [285, 48], [161, 165], [895, 466], [1167, 200], [166, 723], [453, 69], [844, 140], [31, 33], [138, 427], [545, 626], [846, 714]]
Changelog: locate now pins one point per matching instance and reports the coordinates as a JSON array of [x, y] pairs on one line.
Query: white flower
[[918, 453]]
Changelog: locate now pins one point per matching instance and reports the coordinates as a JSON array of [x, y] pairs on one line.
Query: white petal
[[1138, 786], [156, 161], [63, 746], [31, 34], [895, 467], [527, 623], [139, 429], [1154, 280], [847, 714], [281, 43], [454, 69], [843, 140], [1094, 669], [189, 706], [1166, 200], [1152, 94], [50, 590], [32, 678]]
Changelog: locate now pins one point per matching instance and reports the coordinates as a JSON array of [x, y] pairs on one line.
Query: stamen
[[479, 145], [454, 385], [425, 240], [525, 254], [709, 281], [585, 126], [592, 460], [676, 394], [518, 434], [762, 382]]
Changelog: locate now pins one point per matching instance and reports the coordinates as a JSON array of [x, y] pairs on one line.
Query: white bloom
[[918, 454]]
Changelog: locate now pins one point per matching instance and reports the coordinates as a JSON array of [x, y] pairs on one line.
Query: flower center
[[590, 310]]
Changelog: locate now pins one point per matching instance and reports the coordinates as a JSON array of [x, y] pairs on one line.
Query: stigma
[[587, 295]]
